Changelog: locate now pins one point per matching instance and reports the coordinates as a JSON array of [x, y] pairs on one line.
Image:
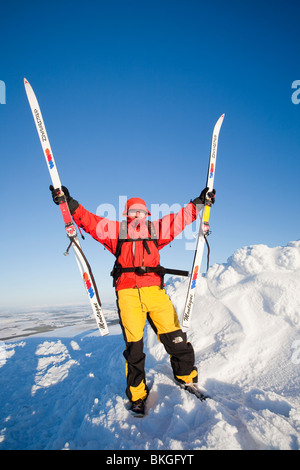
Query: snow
[[62, 384]]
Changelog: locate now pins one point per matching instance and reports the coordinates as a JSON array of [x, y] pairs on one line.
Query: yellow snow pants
[[152, 303]]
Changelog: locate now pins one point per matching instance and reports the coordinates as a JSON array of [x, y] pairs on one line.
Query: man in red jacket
[[138, 280]]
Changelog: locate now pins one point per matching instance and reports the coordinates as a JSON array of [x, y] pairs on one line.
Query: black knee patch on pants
[[135, 359], [181, 352]]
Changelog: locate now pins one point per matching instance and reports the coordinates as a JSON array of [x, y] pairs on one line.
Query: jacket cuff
[[73, 205], [197, 203]]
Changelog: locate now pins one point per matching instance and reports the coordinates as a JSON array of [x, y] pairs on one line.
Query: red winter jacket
[[133, 253]]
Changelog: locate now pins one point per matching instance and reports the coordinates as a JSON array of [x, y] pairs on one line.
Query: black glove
[[73, 205], [204, 196]]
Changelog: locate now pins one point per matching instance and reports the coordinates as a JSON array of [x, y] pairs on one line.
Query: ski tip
[[25, 81]]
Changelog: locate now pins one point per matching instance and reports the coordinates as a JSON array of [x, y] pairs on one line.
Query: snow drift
[[64, 388]]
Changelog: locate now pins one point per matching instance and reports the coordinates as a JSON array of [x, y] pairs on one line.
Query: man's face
[[137, 214]]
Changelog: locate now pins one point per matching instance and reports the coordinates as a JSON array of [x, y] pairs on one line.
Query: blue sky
[[130, 92]]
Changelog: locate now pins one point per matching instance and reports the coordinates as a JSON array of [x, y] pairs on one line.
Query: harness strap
[[123, 237], [140, 270]]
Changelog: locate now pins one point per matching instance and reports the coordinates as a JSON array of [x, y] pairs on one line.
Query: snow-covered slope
[[64, 389]]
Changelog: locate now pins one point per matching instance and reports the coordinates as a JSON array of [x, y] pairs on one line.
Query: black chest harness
[[140, 270]]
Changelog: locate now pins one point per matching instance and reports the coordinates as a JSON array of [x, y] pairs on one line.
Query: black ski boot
[[137, 408]]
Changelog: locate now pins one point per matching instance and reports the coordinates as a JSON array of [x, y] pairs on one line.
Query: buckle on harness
[[140, 270]]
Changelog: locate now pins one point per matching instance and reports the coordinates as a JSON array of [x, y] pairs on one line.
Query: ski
[[191, 388], [84, 267], [138, 414], [204, 228], [194, 390]]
